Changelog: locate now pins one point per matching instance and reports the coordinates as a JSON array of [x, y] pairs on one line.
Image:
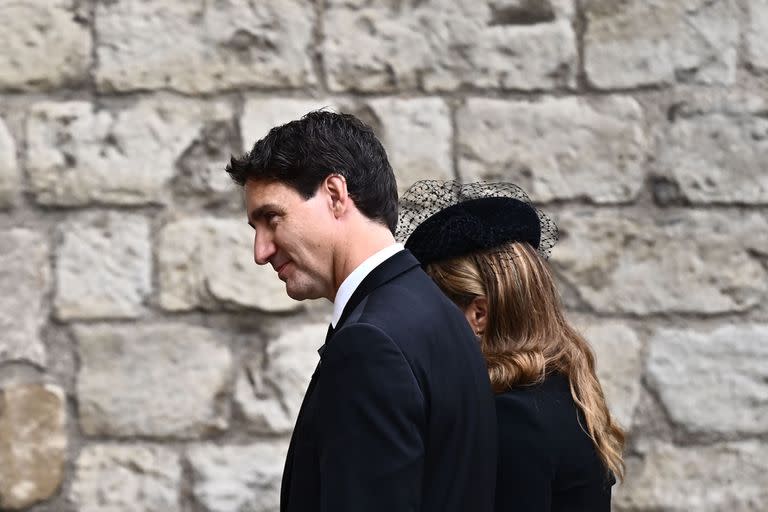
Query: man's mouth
[[280, 269]]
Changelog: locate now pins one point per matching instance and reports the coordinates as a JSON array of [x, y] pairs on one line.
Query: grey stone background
[[147, 365]]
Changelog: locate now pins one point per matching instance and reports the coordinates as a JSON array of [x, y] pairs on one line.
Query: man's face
[[293, 235]]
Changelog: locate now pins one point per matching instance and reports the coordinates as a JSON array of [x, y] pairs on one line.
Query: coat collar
[[395, 265]]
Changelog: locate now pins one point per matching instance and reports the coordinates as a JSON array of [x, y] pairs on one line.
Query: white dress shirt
[[354, 279]]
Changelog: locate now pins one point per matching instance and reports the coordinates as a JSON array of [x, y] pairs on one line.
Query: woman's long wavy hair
[[527, 336]]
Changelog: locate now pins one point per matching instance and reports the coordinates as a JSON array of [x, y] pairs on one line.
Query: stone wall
[[146, 364]]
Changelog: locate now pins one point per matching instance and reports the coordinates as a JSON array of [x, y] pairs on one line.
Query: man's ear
[[336, 187], [477, 314]]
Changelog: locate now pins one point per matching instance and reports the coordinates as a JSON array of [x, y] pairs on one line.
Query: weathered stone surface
[[238, 478], [757, 43], [208, 263], [78, 155], [663, 262], [448, 44], [103, 267], [152, 380], [24, 284], [732, 477], [715, 380], [126, 478], [618, 351], [46, 43], [717, 156], [556, 148], [637, 42], [416, 134], [270, 395], [201, 166], [198, 47], [261, 115], [33, 444], [9, 170]]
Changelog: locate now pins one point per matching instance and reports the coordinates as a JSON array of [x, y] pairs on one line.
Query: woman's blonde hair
[[527, 335]]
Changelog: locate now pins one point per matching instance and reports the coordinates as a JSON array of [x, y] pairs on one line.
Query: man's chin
[[300, 294]]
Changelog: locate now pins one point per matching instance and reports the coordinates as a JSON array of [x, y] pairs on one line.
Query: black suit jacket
[[399, 415], [547, 462]]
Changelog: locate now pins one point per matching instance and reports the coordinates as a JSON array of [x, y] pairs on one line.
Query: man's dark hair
[[302, 153]]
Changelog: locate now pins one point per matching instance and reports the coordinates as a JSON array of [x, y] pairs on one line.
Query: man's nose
[[263, 248]]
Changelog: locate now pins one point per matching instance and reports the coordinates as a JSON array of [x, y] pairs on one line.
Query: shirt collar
[[354, 279]]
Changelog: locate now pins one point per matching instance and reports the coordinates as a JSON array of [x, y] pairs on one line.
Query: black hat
[[440, 220]]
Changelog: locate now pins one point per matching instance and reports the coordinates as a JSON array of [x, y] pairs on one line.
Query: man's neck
[[360, 245]]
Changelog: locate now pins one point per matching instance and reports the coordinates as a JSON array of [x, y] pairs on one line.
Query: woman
[[485, 246]]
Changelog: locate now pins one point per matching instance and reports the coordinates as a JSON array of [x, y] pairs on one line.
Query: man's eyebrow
[[259, 211]]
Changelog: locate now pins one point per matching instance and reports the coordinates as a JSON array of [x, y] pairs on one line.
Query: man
[[399, 414]]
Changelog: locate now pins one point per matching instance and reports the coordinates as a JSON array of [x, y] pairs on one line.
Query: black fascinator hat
[[440, 220]]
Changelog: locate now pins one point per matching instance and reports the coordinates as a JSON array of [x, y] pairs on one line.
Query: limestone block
[[714, 380], [444, 45], [238, 478], [640, 42], [126, 478], [80, 155], [208, 263], [33, 444], [103, 266], [201, 166], [46, 44], [261, 115], [717, 156], [670, 261], [730, 476], [618, 353], [757, 43], [557, 148], [196, 47], [416, 133], [152, 380], [24, 285], [10, 179], [270, 395]]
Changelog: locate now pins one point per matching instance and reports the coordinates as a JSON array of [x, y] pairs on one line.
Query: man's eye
[[270, 217]]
